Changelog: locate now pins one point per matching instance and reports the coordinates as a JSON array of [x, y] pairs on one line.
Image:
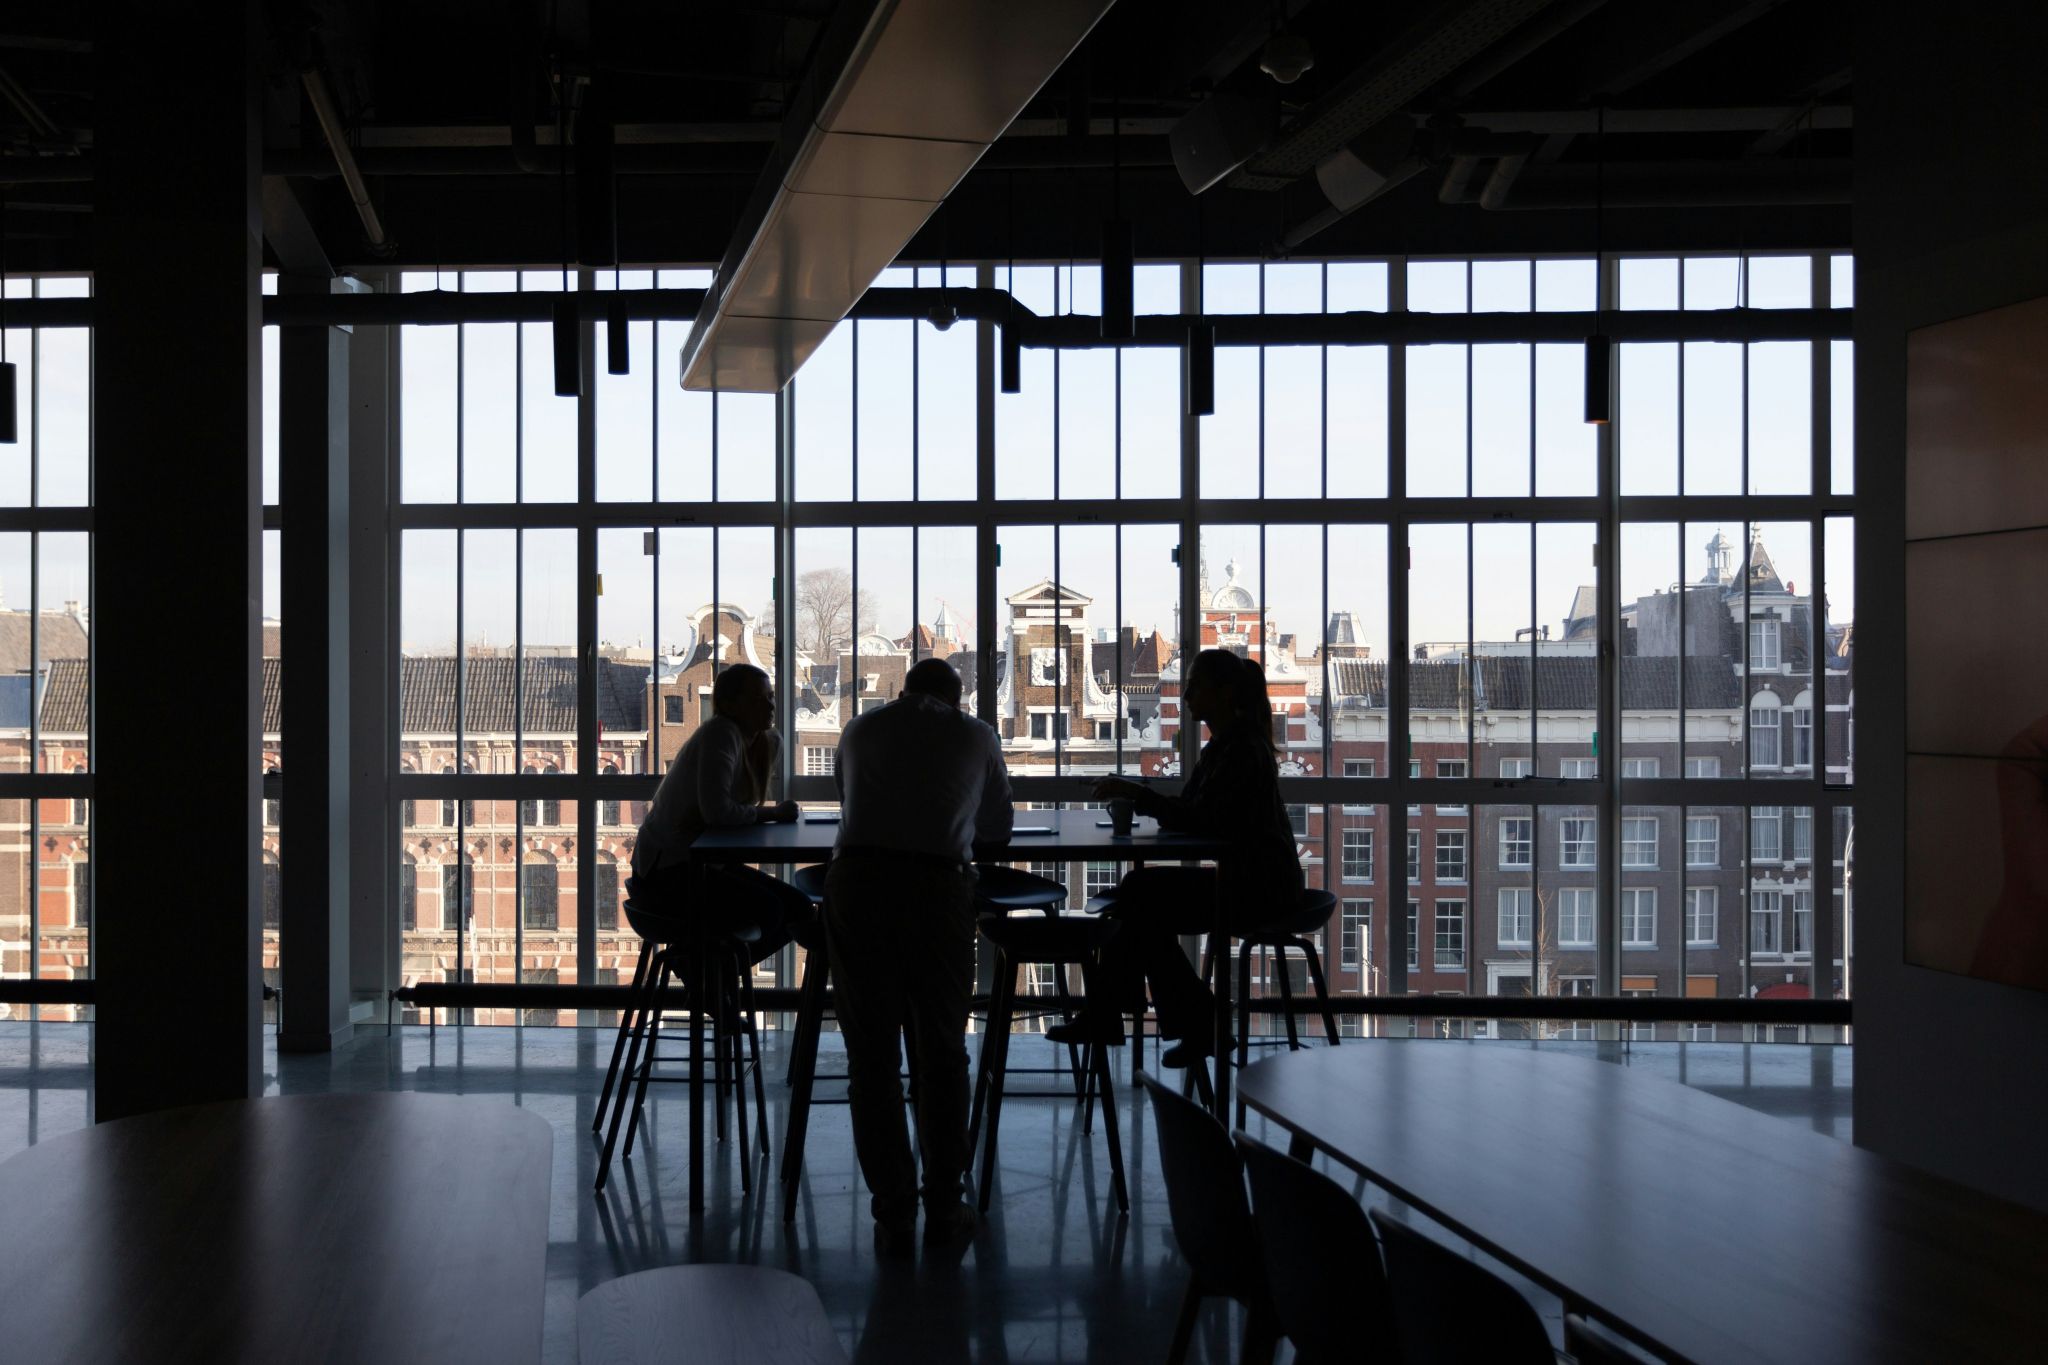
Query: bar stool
[[1061, 941], [677, 948], [1278, 937], [1000, 890]]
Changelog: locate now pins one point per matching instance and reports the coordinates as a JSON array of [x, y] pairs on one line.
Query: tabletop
[[374, 1227], [1706, 1230], [1038, 835]]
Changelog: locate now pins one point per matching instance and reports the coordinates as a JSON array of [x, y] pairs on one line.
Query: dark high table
[[379, 1227], [1704, 1230], [1071, 836]]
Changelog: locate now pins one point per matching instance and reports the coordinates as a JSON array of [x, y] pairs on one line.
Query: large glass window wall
[[1570, 664]]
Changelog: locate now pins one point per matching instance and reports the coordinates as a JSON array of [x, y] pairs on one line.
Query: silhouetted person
[[1233, 794], [720, 780], [921, 783]]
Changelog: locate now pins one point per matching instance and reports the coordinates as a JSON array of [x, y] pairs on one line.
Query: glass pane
[[1500, 286], [549, 678], [63, 634], [1649, 679], [948, 586], [1024, 420], [1713, 408], [1293, 421], [1502, 421], [682, 424], [1566, 688], [19, 346], [1437, 286], [689, 631], [1147, 611], [1439, 685], [547, 424], [1508, 936], [427, 368], [1149, 379], [1354, 652], [271, 649], [490, 623], [1648, 283], [1351, 864], [625, 650], [1292, 606], [1036, 610], [1781, 417], [1229, 288], [1842, 416], [1712, 282], [64, 905], [948, 405], [1294, 287], [490, 410], [63, 414], [427, 648], [1780, 695], [1567, 447], [625, 418], [1647, 418], [1438, 377], [1230, 435], [746, 446], [1780, 900], [884, 411], [1357, 286], [1565, 286], [547, 907], [1839, 651], [1780, 282], [1087, 424], [1356, 392]]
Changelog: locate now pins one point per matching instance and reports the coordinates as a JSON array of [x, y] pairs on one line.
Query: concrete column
[[177, 378], [313, 497], [373, 871]]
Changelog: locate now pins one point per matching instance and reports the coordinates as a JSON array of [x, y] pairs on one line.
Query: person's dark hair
[[734, 680], [934, 678], [1244, 682]]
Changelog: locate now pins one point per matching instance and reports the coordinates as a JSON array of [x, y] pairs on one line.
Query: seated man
[[921, 783], [720, 779]]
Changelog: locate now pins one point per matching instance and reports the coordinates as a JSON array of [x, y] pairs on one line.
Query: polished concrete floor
[[1055, 1276]]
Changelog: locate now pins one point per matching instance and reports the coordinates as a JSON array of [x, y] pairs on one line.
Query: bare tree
[[825, 616]]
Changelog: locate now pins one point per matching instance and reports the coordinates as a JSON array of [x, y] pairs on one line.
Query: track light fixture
[[568, 357], [1599, 347], [1012, 377], [617, 344], [9, 380], [1199, 370]]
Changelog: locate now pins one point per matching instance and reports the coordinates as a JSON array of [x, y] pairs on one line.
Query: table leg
[[699, 979]]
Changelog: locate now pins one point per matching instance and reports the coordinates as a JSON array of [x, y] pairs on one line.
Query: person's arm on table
[[716, 778]]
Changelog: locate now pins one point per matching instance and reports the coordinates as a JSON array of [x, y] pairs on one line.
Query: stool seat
[[664, 926], [1046, 939], [1099, 904], [1309, 914], [810, 879], [1009, 889]]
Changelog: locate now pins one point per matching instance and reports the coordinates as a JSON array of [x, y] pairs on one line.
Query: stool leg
[[1244, 1014], [719, 983], [999, 1024], [611, 1074], [1315, 976], [636, 1017], [804, 1074], [1106, 1088], [1278, 953], [730, 1049], [653, 1043], [750, 1019]]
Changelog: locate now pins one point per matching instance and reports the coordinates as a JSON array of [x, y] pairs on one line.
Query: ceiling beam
[[1647, 40], [290, 232]]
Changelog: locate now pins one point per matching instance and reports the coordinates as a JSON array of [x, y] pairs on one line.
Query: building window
[[1450, 936], [1414, 855], [706, 708], [1452, 769], [1802, 734], [539, 892], [1511, 768], [1577, 840], [1517, 842], [1582, 768], [1702, 841], [1641, 1030], [1639, 841], [408, 896], [1802, 834], [1513, 929], [1575, 988], [456, 904], [1763, 732], [1639, 767], [1802, 922], [607, 893], [1703, 767], [1450, 855], [1049, 725], [273, 890], [1575, 917], [1357, 851], [672, 710], [1766, 844], [81, 893], [1763, 643], [820, 760], [1639, 917], [1414, 935], [1099, 879], [610, 813], [270, 813], [540, 814], [540, 976], [1702, 916], [1360, 767], [1766, 913], [447, 807], [1297, 820], [1354, 941]]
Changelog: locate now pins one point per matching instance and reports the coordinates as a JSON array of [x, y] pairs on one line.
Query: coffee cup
[[1121, 812]]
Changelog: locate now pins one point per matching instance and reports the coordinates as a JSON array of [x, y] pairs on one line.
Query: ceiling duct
[[901, 100]]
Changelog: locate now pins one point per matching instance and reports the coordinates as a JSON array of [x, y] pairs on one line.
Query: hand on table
[[784, 813], [1115, 788]]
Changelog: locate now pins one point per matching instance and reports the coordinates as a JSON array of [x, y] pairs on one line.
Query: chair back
[[1322, 1265], [1212, 1218], [1450, 1310], [1591, 1342]]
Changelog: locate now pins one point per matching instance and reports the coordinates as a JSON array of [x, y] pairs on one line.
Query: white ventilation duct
[[875, 141]]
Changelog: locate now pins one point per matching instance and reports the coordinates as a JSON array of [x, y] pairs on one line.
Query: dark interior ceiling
[[1727, 122]]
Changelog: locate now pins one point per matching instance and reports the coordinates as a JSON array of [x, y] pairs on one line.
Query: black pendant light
[[1198, 348], [1599, 346], [1012, 366], [1119, 285], [568, 351], [617, 347], [9, 381]]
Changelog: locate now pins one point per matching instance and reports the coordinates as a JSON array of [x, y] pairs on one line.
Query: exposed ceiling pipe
[[337, 140], [1502, 181], [1457, 186]]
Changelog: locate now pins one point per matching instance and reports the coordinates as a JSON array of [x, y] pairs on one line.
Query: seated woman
[[1233, 794], [720, 779]]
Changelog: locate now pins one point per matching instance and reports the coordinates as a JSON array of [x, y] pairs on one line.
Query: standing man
[[921, 782]]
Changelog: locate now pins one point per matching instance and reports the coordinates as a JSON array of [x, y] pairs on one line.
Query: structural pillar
[[315, 819], [374, 931], [177, 555]]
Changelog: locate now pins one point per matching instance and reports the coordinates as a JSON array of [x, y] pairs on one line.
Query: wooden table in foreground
[[1707, 1231], [375, 1228]]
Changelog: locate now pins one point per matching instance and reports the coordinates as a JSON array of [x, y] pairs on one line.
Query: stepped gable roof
[[427, 695], [1567, 683], [62, 637]]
